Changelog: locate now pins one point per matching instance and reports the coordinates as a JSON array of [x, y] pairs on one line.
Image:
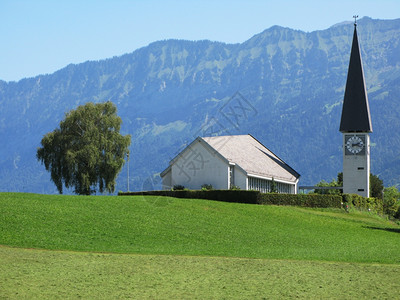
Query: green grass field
[[43, 274], [181, 248]]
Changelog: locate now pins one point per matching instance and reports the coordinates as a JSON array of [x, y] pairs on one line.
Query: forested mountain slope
[[283, 86]]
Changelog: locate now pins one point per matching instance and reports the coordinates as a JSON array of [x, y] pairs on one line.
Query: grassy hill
[[151, 225], [164, 248]]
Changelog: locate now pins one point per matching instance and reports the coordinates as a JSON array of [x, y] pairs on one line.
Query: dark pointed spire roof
[[355, 112]]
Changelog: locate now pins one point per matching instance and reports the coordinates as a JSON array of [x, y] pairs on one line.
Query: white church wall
[[240, 179], [196, 166], [167, 181]]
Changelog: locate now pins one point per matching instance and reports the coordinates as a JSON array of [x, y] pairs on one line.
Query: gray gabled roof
[[355, 112], [252, 156]]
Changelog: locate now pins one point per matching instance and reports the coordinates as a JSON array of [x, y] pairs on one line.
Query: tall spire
[[355, 112]]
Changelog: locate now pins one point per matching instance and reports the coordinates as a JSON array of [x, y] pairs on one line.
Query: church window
[[264, 186]]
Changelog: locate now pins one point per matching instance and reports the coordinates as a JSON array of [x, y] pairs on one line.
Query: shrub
[[206, 187], [391, 202], [390, 206], [397, 214], [178, 187], [273, 188], [234, 187], [363, 203]]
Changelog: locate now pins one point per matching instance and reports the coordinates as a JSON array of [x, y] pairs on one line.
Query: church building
[[239, 161], [355, 125]]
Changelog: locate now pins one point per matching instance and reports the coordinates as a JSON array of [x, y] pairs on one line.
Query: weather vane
[[355, 19]]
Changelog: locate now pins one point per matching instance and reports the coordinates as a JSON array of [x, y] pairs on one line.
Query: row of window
[[264, 186]]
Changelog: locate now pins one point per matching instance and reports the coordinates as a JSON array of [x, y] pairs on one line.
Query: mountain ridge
[[168, 91]]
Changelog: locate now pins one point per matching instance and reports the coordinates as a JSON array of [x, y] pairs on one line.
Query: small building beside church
[[228, 161]]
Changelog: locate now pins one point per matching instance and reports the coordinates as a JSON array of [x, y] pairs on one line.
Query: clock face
[[355, 144]]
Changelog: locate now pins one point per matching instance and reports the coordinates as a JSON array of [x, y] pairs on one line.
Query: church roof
[[252, 156], [355, 112]]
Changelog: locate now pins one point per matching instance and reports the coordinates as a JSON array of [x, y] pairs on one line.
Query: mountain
[[283, 86]]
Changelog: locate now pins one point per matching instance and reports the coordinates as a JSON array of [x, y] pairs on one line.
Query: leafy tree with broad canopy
[[86, 151]]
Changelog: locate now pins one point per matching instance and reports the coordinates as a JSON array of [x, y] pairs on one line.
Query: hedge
[[305, 200], [251, 197], [363, 203]]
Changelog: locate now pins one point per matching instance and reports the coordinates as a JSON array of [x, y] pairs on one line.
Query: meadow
[[44, 274], [160, 247]]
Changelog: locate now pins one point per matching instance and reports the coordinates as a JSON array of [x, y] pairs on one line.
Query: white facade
[[356, 167], [200, 163]]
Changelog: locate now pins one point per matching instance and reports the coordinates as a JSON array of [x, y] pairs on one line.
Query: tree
[[87, 151], [340, 179], [375, 186], [273, 188], [333, 183], [391, 202]]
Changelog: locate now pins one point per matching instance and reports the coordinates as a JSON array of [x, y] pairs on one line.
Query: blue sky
[[39, 36]]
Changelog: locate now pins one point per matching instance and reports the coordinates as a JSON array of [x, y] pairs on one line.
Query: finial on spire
[[355, 19]]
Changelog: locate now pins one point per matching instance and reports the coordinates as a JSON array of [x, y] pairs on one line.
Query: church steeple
[[355, 112], [356, 126]]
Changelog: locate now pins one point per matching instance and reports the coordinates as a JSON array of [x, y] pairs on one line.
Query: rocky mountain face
[[283, 86]]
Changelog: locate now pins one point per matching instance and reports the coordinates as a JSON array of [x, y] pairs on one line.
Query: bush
[[391, 207], [206, 187], [397, 214], [273, 188], [391, 202], [363, 203], [234, 187], [178, 187]]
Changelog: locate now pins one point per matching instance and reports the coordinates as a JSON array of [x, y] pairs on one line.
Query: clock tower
[[355, 125]]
